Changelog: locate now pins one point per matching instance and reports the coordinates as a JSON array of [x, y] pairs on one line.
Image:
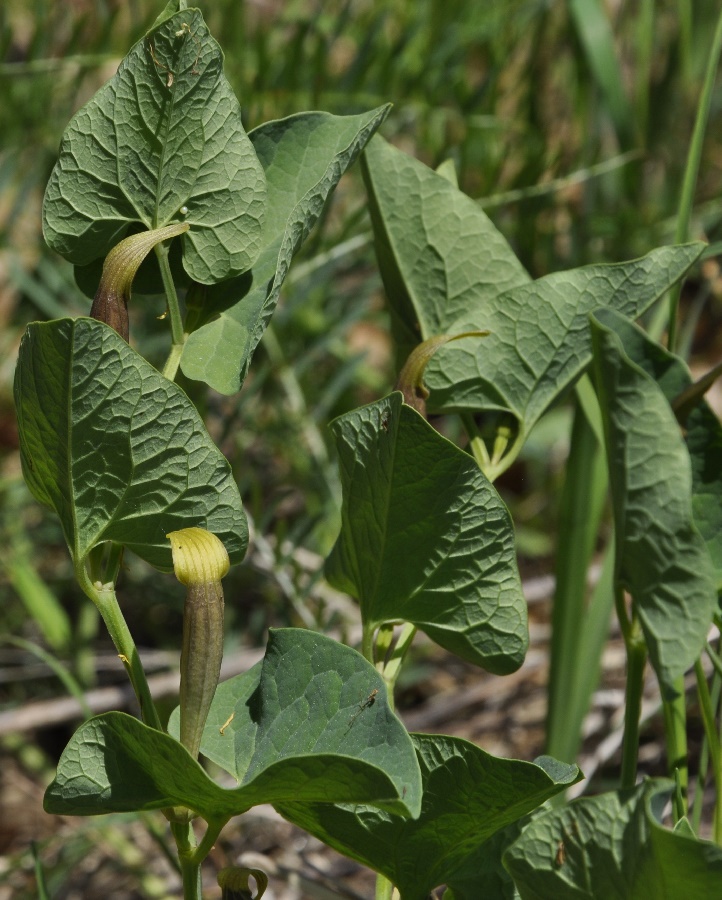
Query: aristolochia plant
[[159, 160]]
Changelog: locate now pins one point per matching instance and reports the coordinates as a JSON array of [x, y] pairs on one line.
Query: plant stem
[[186, 843], [384, 888], [367, 643], [476, 442], [392, 669], [636, 661], [691, 171], [178, 336], [710, 730], [675, 726], [103, 596]]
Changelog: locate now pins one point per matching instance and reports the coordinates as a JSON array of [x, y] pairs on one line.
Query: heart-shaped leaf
[[661, 558], [304, 736], [118, 451], [425, 538], [439, 254], [309, 694], [613, 847], [304, 157], [161, 142], [702, 428], [468, 797]]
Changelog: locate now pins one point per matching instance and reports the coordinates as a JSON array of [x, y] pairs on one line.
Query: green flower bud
[[110, 304], [200, 561]]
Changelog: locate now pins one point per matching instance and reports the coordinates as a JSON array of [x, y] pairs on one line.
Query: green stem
[[185, 840], [476, 442], [710, 730], [103, 596], [113, 562], [208, 841], [367, 643], [392, 669], [692, 169], [178, 336], [675, 727], [581, 507], [384, 888], [636, 661]]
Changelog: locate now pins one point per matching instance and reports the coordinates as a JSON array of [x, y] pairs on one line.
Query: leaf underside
[[304, 157], [661, 557]]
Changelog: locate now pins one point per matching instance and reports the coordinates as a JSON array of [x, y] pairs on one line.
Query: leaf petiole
[[178, 336]]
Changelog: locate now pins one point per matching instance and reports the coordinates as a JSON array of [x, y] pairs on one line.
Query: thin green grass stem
[[581, 507], [675, 727], [691, 171], [593, 637], [170, 369], [636, 661], [710, 731]]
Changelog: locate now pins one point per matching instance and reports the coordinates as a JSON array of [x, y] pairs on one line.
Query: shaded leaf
[[164, 134], [468, 797], [661, 558], [702, 428], [304, 157], [118, 451], [304, 749], [614, 848], [425, 538]]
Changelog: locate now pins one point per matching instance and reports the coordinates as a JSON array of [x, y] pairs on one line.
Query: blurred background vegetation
[[570, 123]]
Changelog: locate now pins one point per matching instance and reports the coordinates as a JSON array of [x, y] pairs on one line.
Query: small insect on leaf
[[385, 418], [226, 723], [561, 856], [365, 704]]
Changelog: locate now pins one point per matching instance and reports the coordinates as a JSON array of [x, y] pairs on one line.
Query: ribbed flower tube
[[200, 561], [110, 304]]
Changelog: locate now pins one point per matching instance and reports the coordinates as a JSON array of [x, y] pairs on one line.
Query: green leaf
[[297, 720], [308, 695], [468, 797], [118, 451], [304, 157], [613, 847], [661, 558], [539, 342], [164, 134], [482, 874], [702, 428], [425, 538], [446, 269], [440, 255]]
